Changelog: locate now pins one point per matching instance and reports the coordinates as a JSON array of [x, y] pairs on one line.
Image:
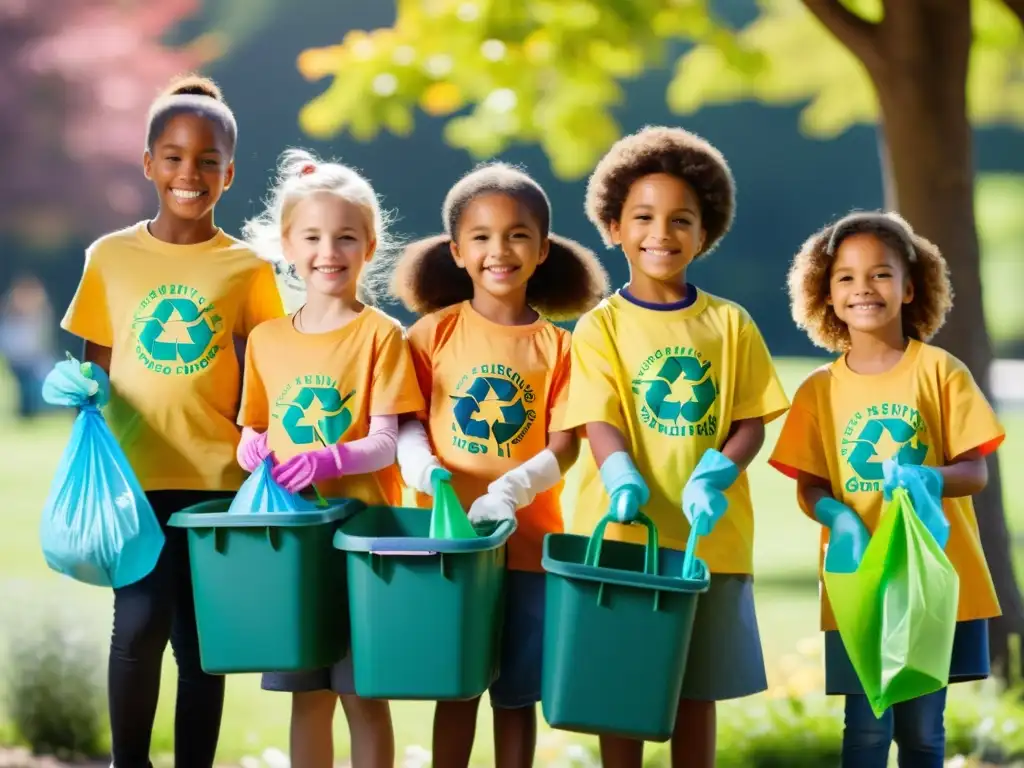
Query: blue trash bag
[[97, 525], [261, 493]]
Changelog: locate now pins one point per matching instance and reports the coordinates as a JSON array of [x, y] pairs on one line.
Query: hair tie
[[307, 169]]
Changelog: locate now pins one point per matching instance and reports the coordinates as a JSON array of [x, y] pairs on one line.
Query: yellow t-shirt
[[170, 314], [928, 410], [316, 389], [494, 392], [673, 382]]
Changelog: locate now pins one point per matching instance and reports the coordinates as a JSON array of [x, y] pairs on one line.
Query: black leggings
[[147, 614]]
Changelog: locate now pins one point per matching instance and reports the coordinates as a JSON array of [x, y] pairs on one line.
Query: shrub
[[54, 691]]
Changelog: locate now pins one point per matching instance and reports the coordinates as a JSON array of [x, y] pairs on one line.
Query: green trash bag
[[897, 612], [448, 520]]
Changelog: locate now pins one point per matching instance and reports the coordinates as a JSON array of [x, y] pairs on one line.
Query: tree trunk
[[920, 79]]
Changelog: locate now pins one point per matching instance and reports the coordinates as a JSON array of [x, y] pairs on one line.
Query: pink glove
[[252, 449], [308, 468]]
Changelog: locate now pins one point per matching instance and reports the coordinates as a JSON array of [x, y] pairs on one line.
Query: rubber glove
[[625, 486], [848, 538], [252, 449], [517, 488], [416, 461], [924, 484], [704, 500], [308, 468], [73, 384]]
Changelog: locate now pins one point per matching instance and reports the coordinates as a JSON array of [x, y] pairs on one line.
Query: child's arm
[[745, 439], [624, 484], [359, 457], [97, 355], [966, 475], [416, 461]]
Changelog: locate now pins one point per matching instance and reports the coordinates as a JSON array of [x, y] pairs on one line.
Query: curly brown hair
[[566, 284], [672, 151], [811, 271]]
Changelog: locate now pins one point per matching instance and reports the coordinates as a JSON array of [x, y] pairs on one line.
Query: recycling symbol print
[[491, 410], [880, 439], [317, 415], [678, 395], [177, 330]]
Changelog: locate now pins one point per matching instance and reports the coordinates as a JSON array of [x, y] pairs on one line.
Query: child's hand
[[308, 468], [626, 504], [848, 538], [492, 506], [73, 384], [252, 449], [924, 484], [704, 500]]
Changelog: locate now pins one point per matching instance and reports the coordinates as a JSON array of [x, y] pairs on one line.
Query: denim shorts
[[725, 661], [338, 678], [522, 642], [970, 659]]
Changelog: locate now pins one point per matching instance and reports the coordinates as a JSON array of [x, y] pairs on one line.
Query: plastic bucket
[[426, 613], [269, 588], [617, 632]]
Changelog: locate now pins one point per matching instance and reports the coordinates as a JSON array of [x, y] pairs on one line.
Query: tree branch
[[1017, 6], [857, 34]]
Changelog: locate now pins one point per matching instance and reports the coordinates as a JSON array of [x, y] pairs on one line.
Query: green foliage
[[54, 691], [543, 71], [999, 199], [550, 71], [803, 62]]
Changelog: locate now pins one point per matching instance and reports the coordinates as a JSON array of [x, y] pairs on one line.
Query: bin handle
[[593, 557], [691, 565]]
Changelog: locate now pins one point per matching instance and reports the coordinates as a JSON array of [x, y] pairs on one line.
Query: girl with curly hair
[[891, 411], [494, 371], [674, 387]]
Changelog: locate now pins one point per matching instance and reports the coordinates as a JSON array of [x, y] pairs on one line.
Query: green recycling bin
[[617, 628], [426, 613], [269, 588]]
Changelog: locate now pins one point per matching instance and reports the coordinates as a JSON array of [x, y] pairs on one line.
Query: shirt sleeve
[[759, 393], [254, 410], [394, 389], [420, 347], [88, 315], [800, 447], [262, 303], [968, 421], [558, 397], [593, 391]]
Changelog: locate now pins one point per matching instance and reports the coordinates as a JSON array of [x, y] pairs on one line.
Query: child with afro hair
[[674, 387], [494, 371], [891, 411]]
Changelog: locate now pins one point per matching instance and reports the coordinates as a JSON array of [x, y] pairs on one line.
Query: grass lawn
[[254, 719]]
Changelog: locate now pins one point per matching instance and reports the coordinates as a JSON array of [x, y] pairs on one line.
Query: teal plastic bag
[[97, 526], [897, 612], [261, 494]]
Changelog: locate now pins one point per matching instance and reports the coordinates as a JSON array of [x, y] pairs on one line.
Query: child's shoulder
[[380, 323], [727, 307], [271, 331], [428, 326], [112, 242], [937, 359]]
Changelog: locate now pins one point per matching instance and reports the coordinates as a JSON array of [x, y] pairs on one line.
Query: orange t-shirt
[[169, 314], [928, 410], [314, 389], [493, 394]]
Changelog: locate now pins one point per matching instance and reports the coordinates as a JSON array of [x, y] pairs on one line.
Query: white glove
[[415, 459], [517, 488]]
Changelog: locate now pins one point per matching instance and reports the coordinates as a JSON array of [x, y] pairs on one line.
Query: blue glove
[[625, 486], [848, 538], [924, 484], [73, 384], [704, 499]]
